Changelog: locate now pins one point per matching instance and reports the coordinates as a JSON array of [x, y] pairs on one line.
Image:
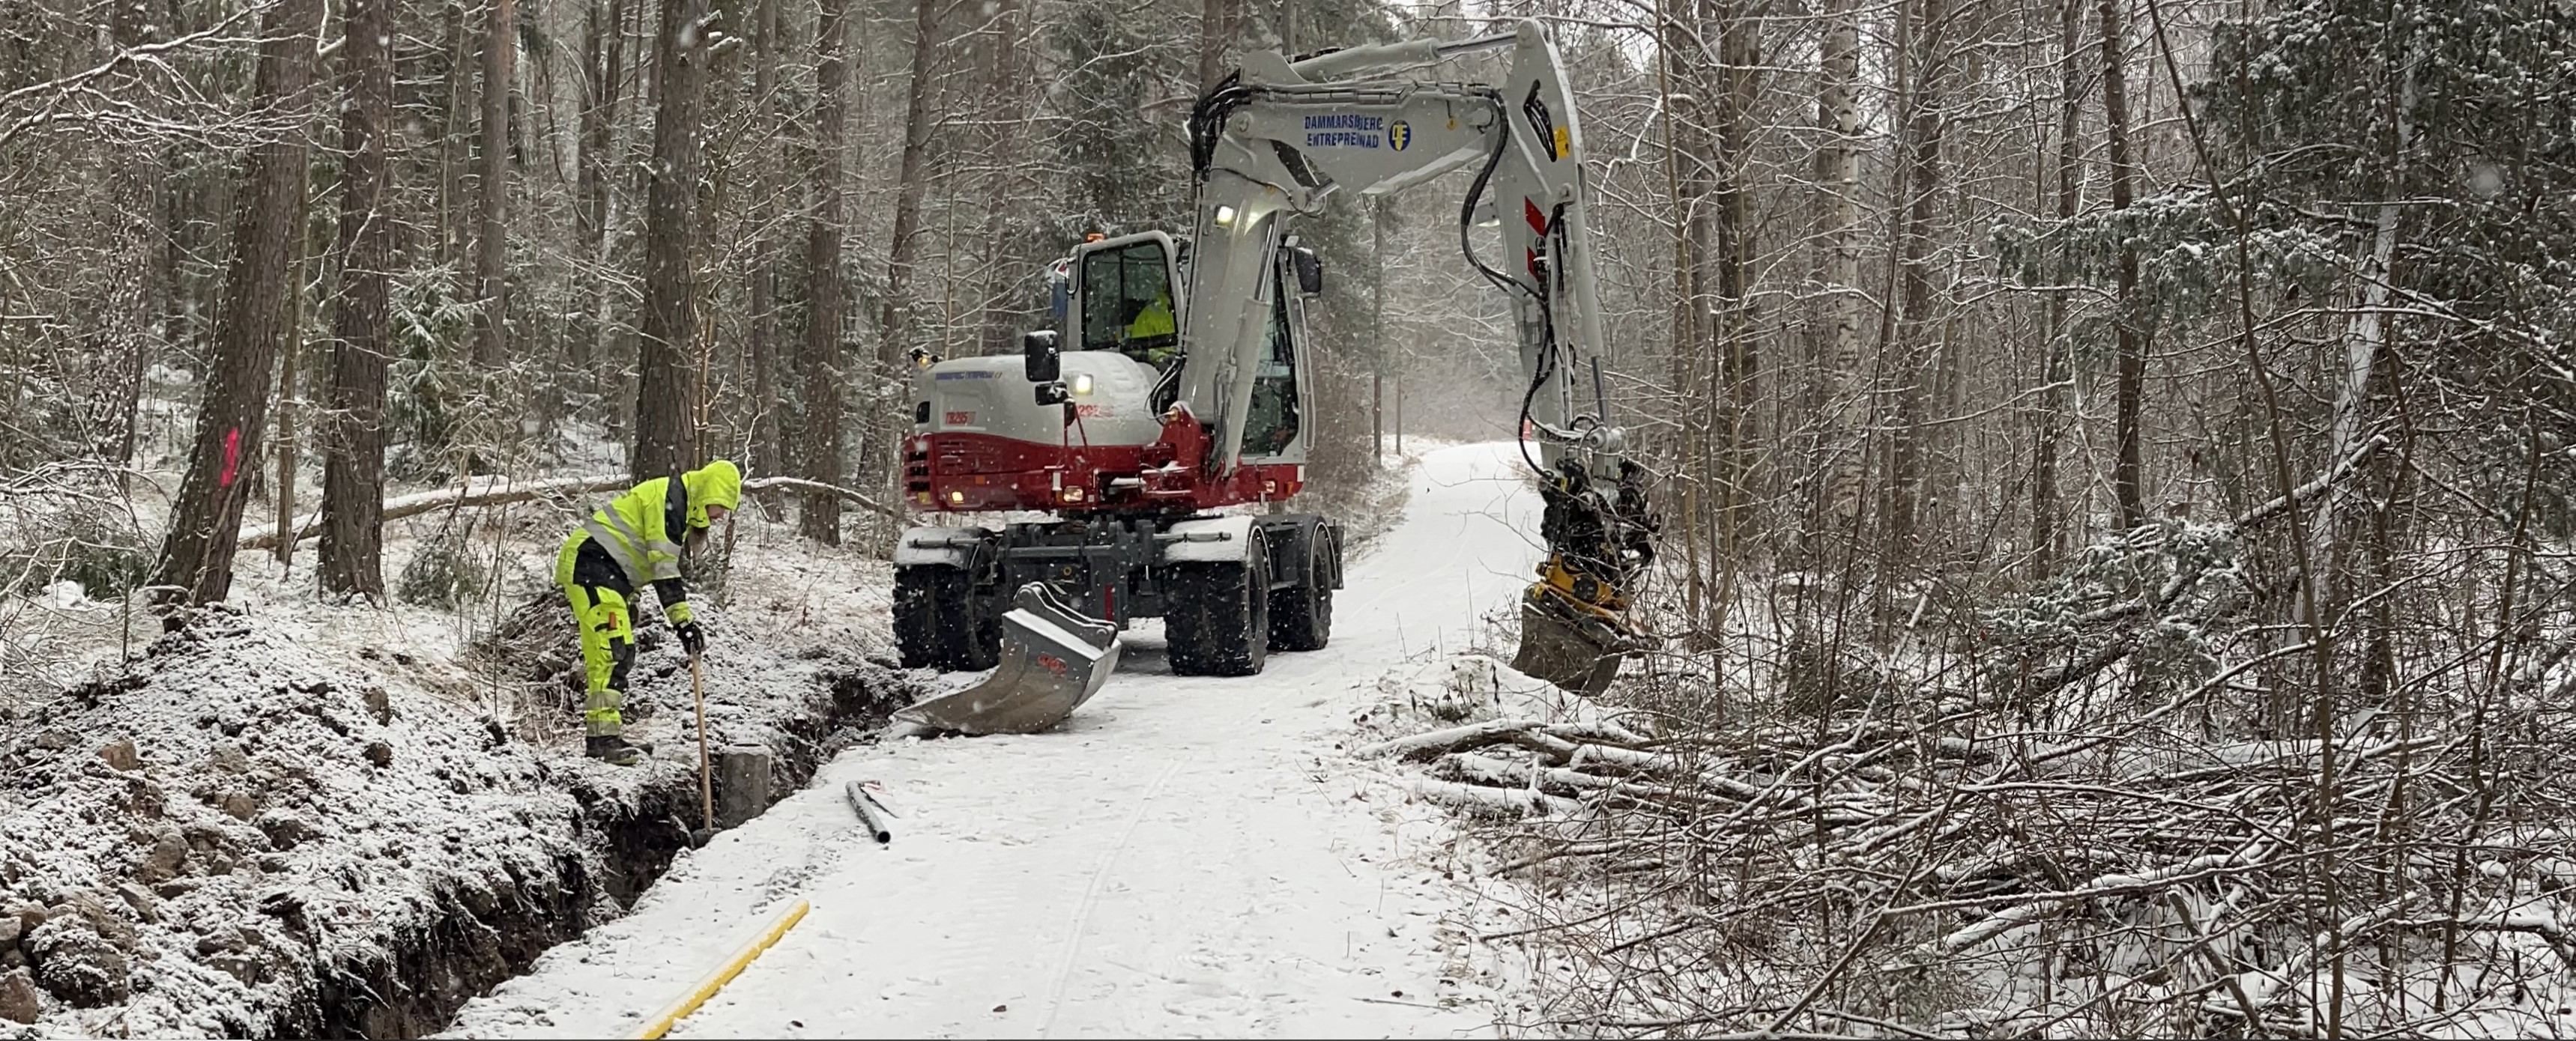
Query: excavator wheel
[[1217, 621], [1301, 616], [939, 622]]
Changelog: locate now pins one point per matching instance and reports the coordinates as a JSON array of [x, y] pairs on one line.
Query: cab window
[[1127, 303], [1272, 426]]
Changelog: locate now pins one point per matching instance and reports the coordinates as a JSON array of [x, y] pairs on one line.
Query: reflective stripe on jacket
[[635, 529]]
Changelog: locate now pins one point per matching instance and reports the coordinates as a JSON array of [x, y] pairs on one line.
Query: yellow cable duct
[[662, 1023]]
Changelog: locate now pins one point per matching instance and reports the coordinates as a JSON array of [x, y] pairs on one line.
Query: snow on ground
[[1186, 856], [304, 817]]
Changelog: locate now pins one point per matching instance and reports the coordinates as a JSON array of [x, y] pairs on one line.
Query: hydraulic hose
[[1546, 366]]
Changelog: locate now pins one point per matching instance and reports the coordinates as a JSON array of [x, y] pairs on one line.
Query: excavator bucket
[[1568, 644], [1054, 658]]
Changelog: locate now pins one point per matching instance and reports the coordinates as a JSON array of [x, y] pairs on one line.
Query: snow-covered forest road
[[1185, 856]]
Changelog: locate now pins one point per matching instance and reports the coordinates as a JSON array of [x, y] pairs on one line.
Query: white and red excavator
[[1172, 406]]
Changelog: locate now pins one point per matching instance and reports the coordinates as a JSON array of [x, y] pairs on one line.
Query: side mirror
[[1045, 363], [1310, 269], [1053, 392]]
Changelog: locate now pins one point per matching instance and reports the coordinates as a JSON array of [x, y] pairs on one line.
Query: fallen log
[[802, 485], [1432, 744], [1492, 802], [1557, 739], [481, 491], [1496, 772], [2035, 906], [497, 491]]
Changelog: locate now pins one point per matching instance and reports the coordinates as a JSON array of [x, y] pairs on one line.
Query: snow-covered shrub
[[1818, 677], [59, 528], [2163, 589], [708, 565], [421, 392], [443, 574]]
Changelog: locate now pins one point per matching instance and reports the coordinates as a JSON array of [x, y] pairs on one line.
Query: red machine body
[[961, 472]]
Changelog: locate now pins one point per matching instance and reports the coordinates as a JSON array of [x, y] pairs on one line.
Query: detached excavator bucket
[[1053, 659], [1569, 645]]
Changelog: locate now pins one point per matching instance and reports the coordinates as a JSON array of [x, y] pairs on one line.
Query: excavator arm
[[1280, 137]]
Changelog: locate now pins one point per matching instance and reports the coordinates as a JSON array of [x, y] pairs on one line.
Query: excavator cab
[[1127, 292]]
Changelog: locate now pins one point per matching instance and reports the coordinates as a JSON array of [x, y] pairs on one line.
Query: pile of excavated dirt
[[247, 834]]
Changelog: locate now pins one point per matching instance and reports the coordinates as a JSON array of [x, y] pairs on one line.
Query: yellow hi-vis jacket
[[1154, 320], [641, 529]]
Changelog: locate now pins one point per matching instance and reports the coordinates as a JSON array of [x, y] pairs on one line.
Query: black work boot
[[615, 751]]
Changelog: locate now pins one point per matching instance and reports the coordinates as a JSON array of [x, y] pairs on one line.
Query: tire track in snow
[[1240, 896], [1091, 897]]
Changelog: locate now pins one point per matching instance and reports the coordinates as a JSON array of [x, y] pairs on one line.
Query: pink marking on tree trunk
[[232, 458]]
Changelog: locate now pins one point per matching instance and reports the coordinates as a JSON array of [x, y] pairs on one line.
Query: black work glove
[[692, 638]]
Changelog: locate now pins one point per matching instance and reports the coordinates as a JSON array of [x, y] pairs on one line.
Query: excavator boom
[[1281, 137]]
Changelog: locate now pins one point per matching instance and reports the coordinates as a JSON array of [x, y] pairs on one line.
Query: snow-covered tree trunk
[[197, 557], [1921, 36], [2128, 351], [1006, 113], [133, 299], [819, 364], [602, 140], [2054, 352], [665, 436], [880, 465], [1838, 185], [2363, 337], [353, 431], [762, 295], [492, 193]]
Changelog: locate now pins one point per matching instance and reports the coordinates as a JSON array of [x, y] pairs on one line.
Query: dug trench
[[248, 835]]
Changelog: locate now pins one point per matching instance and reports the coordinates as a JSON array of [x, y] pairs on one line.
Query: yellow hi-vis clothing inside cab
[[631, 543], [1154, 320]]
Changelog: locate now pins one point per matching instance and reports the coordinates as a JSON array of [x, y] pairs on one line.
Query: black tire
[[1216, 618], [939, 622], [1301, 616], [916, 625]]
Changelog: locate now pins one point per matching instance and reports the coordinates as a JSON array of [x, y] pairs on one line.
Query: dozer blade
[[1053, 659], [1567, 645]]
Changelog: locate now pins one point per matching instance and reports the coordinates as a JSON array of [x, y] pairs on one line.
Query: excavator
[[1164, 422]]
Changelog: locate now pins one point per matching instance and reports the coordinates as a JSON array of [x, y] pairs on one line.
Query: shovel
[[1054, 658], [706, 778], [1573, 647]]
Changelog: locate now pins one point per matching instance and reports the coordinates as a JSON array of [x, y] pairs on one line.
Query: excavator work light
[[1082, 384], [1225, 216]]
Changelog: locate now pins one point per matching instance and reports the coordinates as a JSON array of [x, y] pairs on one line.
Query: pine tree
[[353, 434], [197, 556]]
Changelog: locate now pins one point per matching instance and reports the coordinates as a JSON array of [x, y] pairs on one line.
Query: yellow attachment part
[[1554, 577]]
